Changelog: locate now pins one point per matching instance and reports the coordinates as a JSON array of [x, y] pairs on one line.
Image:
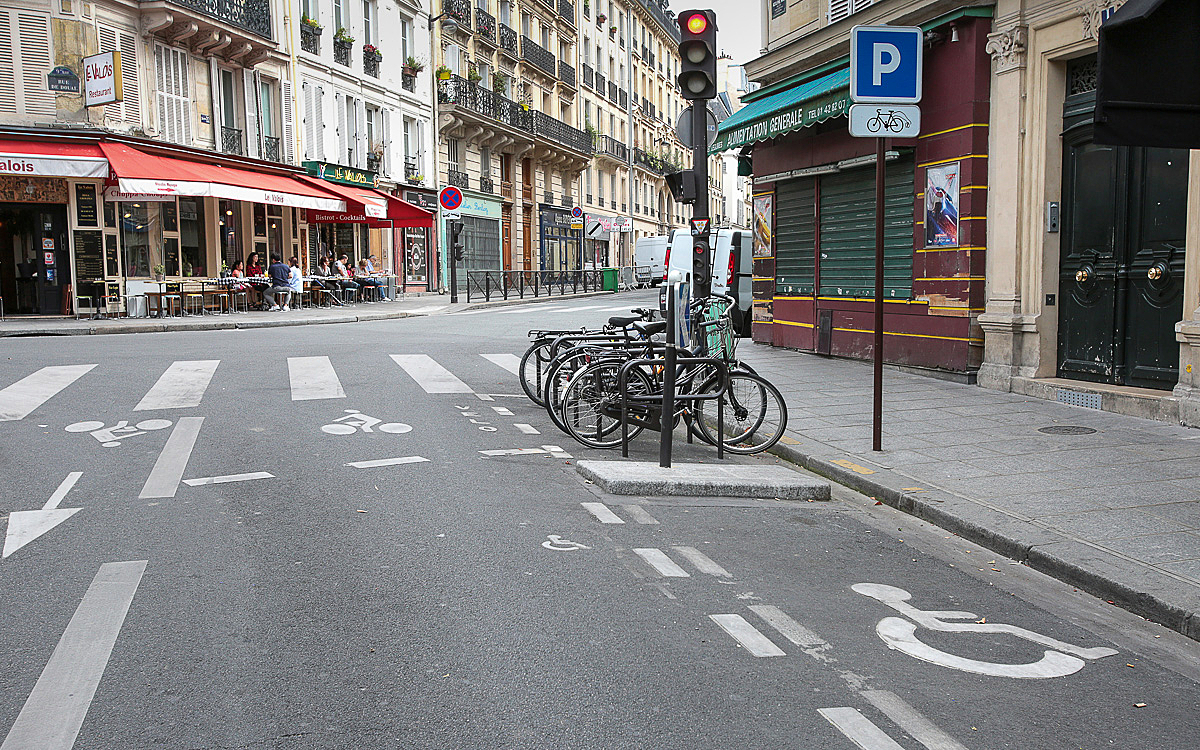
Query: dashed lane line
[[172, 461], [313, 379], [907, 718], [639, 514], [703, 563], [20, 399], [859, 729], [387, 462], [528, 429], [602, 513], [658, 560], [747, 635], [508, 361], [181, 386], [432, 377]]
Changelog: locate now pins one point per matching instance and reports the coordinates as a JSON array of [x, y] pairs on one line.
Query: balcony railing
[[538, 56], [374, 163], [508, 40], [645, 53], [252, 15], [506, 189], [609, 146], [566, 73], [557, 130], [623, 98], [412, 172], [567, 200], [587, 74], [310, 39], [650, 59], [408, 83], [371, 60], [459, 179], [231, 140], [599, 84], [472, 96], [459, 10], [271, 148], [566, 9], [612, 91], [485, 26], [660, 16], [341, 52], [547, 197], [653, 162], [486, 185]]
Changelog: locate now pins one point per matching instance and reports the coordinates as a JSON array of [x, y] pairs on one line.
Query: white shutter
[[173, 94], [838, 9], [131, 108], [860, 4], [385, 165], [319, 127], [108, 43], [250, 94], [310, 137], [160, 90], [33, 45], [339, 104], [288, 151], [218, 114], [360, 134], [183, 95], [8, 67]]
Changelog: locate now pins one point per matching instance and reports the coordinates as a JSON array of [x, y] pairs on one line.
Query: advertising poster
[[941, 206], [764, 222]]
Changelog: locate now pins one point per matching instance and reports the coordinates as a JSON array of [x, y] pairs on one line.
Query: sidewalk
[[1112, 507]]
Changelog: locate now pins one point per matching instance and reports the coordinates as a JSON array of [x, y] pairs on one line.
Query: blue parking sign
[[885, 64]]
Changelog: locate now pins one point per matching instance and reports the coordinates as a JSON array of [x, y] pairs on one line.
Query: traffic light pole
[[702, 285], [455, 233]]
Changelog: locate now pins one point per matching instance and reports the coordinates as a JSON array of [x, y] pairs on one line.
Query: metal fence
[[488, 285]]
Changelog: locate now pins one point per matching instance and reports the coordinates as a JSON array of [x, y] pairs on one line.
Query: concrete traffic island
[[702, 480]]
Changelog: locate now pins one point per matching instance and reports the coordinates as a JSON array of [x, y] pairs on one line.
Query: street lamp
[[449, 24]]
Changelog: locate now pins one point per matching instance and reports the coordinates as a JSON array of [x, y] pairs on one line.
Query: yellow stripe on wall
[[949, 278], [956, 158], [950, 249], [951, 130], [911, 335], [792, 323]]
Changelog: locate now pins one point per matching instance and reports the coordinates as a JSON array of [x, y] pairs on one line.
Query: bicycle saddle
[[620, 321], [649, 329]]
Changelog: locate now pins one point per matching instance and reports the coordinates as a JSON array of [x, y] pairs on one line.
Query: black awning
[[1148, 83]]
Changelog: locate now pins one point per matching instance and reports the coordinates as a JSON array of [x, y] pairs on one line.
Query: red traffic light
[[697, 23]]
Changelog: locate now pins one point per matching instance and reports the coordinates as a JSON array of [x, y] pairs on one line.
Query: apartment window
[[545, 36], [485, 162], [505, 13], [526, 24], [351, 139], [339, 14], [309, 9], [268, 124], [452, 155], [406, 38], [372, 126], [369, 22], [485, 71], [453, 58]]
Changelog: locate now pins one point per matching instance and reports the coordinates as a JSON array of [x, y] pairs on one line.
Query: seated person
[[365, 278], [280, 285], [343, 274]]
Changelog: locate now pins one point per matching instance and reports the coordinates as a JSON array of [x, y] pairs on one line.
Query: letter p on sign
[[886, 64]]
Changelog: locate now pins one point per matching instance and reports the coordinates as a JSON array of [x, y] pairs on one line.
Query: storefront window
[[191, 236], [260, 220], [230, 226], [141, 237], [275, 230]]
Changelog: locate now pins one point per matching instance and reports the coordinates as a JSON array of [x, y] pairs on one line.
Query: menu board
[[343, 241], [110, 253], [85, 204], [89, 254]]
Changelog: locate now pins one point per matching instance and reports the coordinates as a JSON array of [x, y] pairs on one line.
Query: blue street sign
[[885, 64]]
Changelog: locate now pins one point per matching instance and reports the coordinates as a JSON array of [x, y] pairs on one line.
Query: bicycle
[[893, 122]]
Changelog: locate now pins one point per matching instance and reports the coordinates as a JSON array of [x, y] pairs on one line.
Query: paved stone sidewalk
[[1115, 511]]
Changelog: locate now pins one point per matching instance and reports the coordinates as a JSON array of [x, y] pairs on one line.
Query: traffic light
[[682, 185], [697, 54], [455, 242], [701, 265]]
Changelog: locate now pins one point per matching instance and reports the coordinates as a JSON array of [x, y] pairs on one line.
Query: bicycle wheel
[[533, 368], [591, 404], [755, 415], [558, 375]]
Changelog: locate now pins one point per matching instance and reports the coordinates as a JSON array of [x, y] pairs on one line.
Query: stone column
[[1002, 318], [1187, 331]]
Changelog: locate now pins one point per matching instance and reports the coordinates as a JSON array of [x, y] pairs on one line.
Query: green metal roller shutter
[[795, 232], [848, 232]]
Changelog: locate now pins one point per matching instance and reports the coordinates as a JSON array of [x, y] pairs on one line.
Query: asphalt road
[[474, 601]]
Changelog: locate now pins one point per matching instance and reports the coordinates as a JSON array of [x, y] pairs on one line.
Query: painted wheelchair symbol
[[110, 437], [356, 420], [898, 633]]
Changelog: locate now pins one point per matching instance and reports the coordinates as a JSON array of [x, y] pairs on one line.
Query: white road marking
[[702, 562], [313, 378], [387, 462], [557, 543], [18, 400], [859, 729], [431, 376], [172, 461], [484, 397], [639, 514], [201, 481], [510, 362], [528, 429], [618, 308], [471, 312], [907, 718], [59, 702], [788, 628], [181, 386], [602, 513], [581, 308], [62, 490], [513, 452], [658, 560], [555, 451], [747, 635], [532, 307], [502, 411], [26, 525], [428, 309]]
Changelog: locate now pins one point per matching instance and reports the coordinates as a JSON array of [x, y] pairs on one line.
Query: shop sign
[[113, 194], [344, 217], [102, 79], [793, 118], [344, 175], [477, 207], [623, 224], [63, 79], [421, 200], [50, 165]]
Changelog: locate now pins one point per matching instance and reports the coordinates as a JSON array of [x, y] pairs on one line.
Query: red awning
[[52, 159], [136, 171], [369, 206]]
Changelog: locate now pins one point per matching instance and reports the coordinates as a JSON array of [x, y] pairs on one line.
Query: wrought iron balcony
[[506, 189], [650, 58], [470, 95], [310, 39], [660, 16], [567, 200], [599, 84], [653, 162], [623, 98], [557, 130], [486, 185], [538, 56], [271, 148], [485, 26], [408, 83], [459, 10], [459, 179], [252, 15], [375, 163], [566, 73], [341, 52], [371, 60], [645, 53], [231, 140], [600, 201], [612, 91], [587, 74], [412, 171], [566, 9], [508, 40], [547, 197], [606, 145]]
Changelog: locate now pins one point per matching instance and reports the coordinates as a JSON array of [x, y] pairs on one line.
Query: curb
[[204, 325], [1128, 584], [527, 300]]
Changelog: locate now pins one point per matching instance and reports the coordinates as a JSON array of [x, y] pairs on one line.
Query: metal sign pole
[[877, 405]]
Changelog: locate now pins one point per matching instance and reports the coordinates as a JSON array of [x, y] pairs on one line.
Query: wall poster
[[764, 225], [941, 205]]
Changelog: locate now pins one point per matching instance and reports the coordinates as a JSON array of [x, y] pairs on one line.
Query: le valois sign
[[800, 116], [102, 79], [345, 175]]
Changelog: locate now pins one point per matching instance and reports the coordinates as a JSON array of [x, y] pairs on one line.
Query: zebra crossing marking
[[658, 560], [20, 399], [313, 378], [528, 429], [510, 362], [859, 729], [602, 513], [703, 563], [431, 376], [181, 386], [747, 635], [639, 514]]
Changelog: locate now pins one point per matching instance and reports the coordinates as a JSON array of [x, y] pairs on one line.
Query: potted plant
[[443, 73], [587, 8], [600, 19], [371, 49], [499, 83], [612, 30], [412, 66], [342, 36], [473, 76], [160, 271], [312, 25], [590, 130]]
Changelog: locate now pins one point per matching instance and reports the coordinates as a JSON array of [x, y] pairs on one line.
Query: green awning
[[791, 109]]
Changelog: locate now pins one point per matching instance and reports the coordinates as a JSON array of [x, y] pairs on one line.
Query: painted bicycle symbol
[[893, 121], [1060, 660], [356, 420], [111, 437]]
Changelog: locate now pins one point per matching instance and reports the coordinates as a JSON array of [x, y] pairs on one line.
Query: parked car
[[732, 270]]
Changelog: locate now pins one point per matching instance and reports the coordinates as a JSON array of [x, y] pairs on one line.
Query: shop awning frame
[[23, 158], [791, 109]]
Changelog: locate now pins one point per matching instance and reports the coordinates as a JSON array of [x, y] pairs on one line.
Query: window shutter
[[838, 9], [173, 94], [33, 45], [250, 92], [339, 104], [8, 67], [183, 95], [218, 115], [160, 90], [319, 126], [360, 135], [306, 93], [131, 108], [385, 165], [289, 122]]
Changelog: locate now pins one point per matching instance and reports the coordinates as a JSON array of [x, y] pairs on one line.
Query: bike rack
[[623, 382]]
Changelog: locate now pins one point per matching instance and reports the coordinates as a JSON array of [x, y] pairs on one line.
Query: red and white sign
[[164, 187], [48, 258], [113, 194], [49, 165], [102, 79]]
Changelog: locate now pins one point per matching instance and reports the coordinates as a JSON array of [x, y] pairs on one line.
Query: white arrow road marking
[[702, 562], [907, 718], [747, 635], [58, 704], [602, 513], [228, 478], [18, 400], [181, 386], [387, 462], [510, 362], [859, 729], [172, 461], [26, 525], [431, 376], [639, 514], [313, 378], [658, 560]]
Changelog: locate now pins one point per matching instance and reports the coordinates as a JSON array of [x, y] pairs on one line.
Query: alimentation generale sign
[[776, 124]]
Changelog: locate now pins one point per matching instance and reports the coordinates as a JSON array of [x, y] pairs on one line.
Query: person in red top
[[254, 266]]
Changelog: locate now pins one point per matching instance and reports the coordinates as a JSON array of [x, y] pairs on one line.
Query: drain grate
[[1066, 429], [1078, 398]]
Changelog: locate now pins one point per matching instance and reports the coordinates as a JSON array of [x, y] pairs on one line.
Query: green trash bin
[[609, 280]]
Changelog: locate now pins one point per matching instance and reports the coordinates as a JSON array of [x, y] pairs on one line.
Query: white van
[[649, 259], [732, 271]]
